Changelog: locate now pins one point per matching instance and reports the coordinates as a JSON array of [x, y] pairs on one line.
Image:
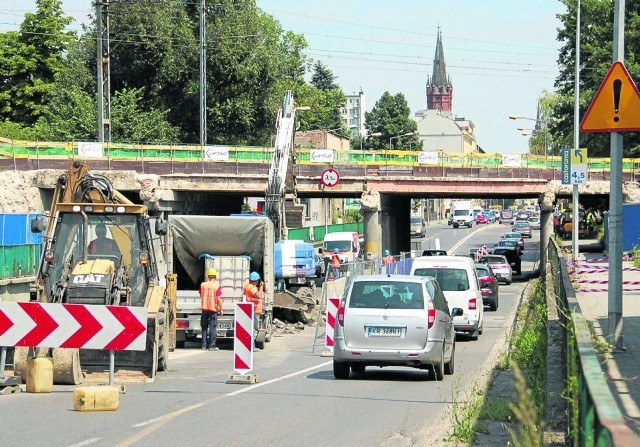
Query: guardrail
[[16, 149], [594, 416]]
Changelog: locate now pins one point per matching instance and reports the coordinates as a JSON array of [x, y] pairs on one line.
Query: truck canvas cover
[[220, 236]]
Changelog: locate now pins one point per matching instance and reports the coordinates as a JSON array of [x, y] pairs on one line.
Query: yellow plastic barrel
[[40, 375], [96, 398]]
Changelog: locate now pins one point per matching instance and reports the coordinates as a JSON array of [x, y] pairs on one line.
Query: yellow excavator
[[99, 250]]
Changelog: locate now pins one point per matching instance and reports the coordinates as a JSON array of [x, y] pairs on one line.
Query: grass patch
[[464, 417], [496, 410]]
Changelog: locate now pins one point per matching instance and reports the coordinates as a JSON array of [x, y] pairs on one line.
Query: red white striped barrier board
[[49, 325], [587, 261], [243, 338], [332, 312], [605, 290], [601, 270], [593, 281]]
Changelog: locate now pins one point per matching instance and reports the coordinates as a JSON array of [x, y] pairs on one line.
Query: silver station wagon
[[398, 320]]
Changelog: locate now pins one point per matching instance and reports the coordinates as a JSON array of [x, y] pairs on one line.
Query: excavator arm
[[274, 196]]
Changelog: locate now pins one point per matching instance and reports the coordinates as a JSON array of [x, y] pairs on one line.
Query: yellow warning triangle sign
[[616, 106]]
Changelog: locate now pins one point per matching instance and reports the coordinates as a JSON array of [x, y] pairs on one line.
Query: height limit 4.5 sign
[[574, 166], [330, 177]]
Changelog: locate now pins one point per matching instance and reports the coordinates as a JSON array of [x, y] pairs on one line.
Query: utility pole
[[103, 72], [203, 77]]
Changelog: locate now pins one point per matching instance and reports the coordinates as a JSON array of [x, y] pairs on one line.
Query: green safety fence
[[178, 152], [316, 233], [19, 260]]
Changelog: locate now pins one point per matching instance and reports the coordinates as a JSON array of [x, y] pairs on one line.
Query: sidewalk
[[589, 276]]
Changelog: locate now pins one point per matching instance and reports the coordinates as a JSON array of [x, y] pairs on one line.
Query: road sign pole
[[576, 222], [615, 333]]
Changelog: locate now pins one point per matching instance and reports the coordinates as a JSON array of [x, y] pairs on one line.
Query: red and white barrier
[[52, 325], [332, 312], [593, 281], [605, 290], [243, 338]]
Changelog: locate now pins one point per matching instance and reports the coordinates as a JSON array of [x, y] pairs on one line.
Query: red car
[[482, 219]]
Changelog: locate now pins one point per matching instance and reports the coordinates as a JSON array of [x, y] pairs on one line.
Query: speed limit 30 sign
[[330, 177]]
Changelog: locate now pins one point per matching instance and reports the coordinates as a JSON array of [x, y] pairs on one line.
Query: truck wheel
[[269, 328], [163, 338]]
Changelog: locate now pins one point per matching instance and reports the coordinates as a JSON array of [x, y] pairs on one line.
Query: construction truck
[[234, 246], [99, 250]]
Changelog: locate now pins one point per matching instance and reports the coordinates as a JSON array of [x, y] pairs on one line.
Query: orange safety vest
[[389, 259], [335, 260], [251, 295], [210, 296]]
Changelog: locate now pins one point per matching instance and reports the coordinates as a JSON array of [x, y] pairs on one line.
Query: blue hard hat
[[335, 250], [254, 276], [386, 252]]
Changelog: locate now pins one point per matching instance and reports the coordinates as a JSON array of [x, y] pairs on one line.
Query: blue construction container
[[294, 259], [630, 227]]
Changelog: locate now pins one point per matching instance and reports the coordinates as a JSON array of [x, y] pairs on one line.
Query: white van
[[459, 282], [347, 243]]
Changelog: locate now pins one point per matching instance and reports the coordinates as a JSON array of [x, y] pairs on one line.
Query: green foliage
[[30, 60], [496, 410], [324, 108], [636, 255], [391, 117], [323, 78], [528, 431], [349, 216], [130, 123], [464, 417]]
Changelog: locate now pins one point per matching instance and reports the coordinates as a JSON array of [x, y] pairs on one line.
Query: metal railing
[[594, 416], [370, 162]]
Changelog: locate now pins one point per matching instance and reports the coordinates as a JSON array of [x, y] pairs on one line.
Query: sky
[[500, 55]]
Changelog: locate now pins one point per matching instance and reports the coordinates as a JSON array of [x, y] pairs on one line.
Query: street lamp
[[540, 122], [400, 136], [374, 134]]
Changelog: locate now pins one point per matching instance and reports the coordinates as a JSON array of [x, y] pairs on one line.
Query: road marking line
[[85, 442], [155, 423]]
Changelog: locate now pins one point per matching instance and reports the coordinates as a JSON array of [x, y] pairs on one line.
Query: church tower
[[439, 88]]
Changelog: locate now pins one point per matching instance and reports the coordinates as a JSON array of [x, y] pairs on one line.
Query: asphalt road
[[297, 400]]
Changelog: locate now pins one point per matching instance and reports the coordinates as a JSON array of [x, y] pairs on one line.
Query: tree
[[324, 104], [323, 78], [391, 117], [595, 60], [30, 60]]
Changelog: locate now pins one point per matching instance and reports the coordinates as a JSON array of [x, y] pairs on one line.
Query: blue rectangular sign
[[565, 156]]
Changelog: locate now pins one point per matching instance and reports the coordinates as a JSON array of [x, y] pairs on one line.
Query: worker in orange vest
[[335, 263], [211, 306], [388, 261], [254, 293]]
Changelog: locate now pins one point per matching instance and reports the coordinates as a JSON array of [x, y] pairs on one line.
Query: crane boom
[[274, 197]]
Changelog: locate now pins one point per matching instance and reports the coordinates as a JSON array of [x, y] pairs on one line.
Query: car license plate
[[224, 325], [376, 331]]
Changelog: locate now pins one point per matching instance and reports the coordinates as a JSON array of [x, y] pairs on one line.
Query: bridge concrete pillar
[[370, 207], [546, 229]]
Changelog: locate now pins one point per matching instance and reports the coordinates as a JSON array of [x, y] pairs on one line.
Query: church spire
[[439, 87]]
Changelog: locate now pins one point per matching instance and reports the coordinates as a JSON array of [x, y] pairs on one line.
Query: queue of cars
[[412, 320]]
